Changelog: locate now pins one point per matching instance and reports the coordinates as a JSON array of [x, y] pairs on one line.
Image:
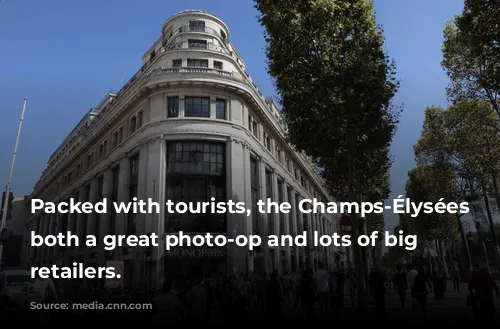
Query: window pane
[[173, 107], [197, 107], [196, 176], [220, 109]]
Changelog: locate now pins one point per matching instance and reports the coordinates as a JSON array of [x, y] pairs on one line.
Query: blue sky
[[66, 55]]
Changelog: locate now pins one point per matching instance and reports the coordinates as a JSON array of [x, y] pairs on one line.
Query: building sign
[[196, 252]]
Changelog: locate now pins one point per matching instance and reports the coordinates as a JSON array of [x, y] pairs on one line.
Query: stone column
[[264, 232], [276, 220], [104, 219], [238, 189], [123, 196], [293, 225], [81, 223], [247, 198]]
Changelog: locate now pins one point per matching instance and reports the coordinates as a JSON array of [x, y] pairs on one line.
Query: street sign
[[345, 225]]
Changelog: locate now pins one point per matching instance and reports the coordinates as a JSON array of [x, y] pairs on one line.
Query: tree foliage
[[333, 77], [471, 53]]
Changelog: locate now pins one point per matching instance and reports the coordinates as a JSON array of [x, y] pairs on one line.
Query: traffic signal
[[9, 205]]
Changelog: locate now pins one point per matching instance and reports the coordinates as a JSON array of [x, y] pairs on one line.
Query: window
[[255, 187], [297, 214], [139, 119], [201, 44], [220, 109], [173, 107], [115, 139], [89, 160], [133, 183], [197, 62], [278, 155], [269, 195], [223, 35], [217, 65], [196, 172], [197, 107], [78, 169], [105, 147], [281, 200], [255, 128], [100, 194], [114, 198], [288, 165], [101, 151], [290, 216], [133, 124], [177, 63], [197, 26], [296, 174], [267, 141]]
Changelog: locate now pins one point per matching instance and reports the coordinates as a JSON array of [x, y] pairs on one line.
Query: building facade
[[189, 126]]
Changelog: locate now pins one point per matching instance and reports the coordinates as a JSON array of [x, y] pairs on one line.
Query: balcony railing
[[197, 70], [185, 45], [196, 28]]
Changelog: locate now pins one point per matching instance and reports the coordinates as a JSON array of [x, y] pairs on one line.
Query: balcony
[[194, 70], [198, 29], [197, 46]]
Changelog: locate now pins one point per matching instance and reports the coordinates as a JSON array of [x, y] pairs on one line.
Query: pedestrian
[[168, 308], [481, 286], [401, 284], [456, 279], [420, 291], [321, 280], [377, 282]]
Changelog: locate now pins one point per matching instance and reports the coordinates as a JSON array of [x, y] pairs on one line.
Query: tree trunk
[[442, 257], [496, 249], [465, 244], [357, 252]]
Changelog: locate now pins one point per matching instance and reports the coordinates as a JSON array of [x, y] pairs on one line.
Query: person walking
[[400, 281], [481, 286], [321, 280]]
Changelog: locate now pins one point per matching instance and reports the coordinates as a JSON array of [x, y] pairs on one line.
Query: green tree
[[335, 83], [471, 53]]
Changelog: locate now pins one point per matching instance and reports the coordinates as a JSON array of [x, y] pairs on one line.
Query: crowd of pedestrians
[[417, 284], [243, 297], [310, 293]]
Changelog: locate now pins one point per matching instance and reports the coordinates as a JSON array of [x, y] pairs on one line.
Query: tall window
[[196, 172], [114, 198], [100, 192], [202, 44], [255, 187], [269, 195], [197, 107], [197, 62], [86, 216], [220, 109], [173, 107], [290, 215], [300, 228], [133, 182], [281, 200]]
